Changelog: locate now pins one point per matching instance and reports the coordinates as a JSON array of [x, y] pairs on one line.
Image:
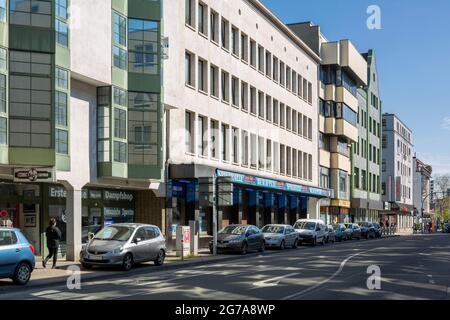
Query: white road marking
[[341, 267], [46, 292], [272, 282]]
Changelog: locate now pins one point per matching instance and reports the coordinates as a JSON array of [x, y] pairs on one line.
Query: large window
[[202, 18], [244, 148], [224, 144], [202, 75], [120, 97], [324, 177], [225, 34], [213, 139], [3, 131], [214, 81], [342, 79], [235, 145], [120, 123], [202, 137], [143, 46], [62, 141], [36, 13], [61, 9], [62, 78], [30, 99], [190, 12], [189, 134], [103, 123], [189, 69], [120, 152], [345, 112], [120, 41], [62, 31], [61, 108], [214, 26], [2, 93], [143, 128], [3, 11]]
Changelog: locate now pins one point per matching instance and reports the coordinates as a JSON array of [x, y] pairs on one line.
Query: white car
[[279, 236], [311, 231]]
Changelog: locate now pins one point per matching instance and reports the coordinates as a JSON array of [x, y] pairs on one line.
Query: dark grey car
[[239, 238], [124, 244]]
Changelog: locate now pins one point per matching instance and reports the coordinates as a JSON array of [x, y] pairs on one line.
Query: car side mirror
[[137, 240]]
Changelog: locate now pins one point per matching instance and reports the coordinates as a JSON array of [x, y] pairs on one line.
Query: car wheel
[[244, 248], [263, 247], [160, 259], [22, 274], [282, 245], [127, 262]]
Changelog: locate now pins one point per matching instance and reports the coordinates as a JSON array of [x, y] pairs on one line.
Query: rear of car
[[17, 259]]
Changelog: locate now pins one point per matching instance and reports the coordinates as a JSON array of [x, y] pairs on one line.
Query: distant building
[[422, 186]]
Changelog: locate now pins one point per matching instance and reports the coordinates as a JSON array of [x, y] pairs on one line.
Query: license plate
[[95, 257]]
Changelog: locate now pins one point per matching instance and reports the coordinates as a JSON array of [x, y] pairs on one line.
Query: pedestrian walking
[[53, 235]]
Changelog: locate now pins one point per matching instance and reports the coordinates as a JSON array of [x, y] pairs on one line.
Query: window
[[235, 145], [235, 91], [282, 115], [245, 148], [120, 40], [294, 121], [294, 82], [143, 38], [2, 93], [62, 141], [202, 18], [345, 112], [324, 142], [305, 127], [310, 93], [261, 59], [225, 80], [103, 123], [253, 100], [244, 47], [300, 165], [202, 137], [294, 163], [190, 13], [288, 161], [310, 171], [275, 72], [31, 13], [300, 86], [342, 146], [214, 81], [288, 118], [62, 37], [61, 9], [235, 41], [7, 238], [62, 78], [268, 108], [309, 129], [120, 123], [282, 74], [253, 154], [269, 155], [261, 104], [356, 178], [225, 34], [305, 166], [324, 177], [224, 144], [120, 58], [61, 108], [343, 184], [261, 154], [189, 133], [143, 128], [120, 152], [305, 89], [300, 124], [282, 159], [342, 79], [244, 96], [214, 26], [3, 131], [288, 78], [253, 53], [3, 11], [275, 113], [276, 157], [120, 97], [213, 139], [364, 180], [268, 64], [189, 69], [202, 75]]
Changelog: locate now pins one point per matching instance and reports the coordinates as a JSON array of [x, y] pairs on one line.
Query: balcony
[[345, 129], [324, 157], [330, 126], [330, 92], [343, 95], [339, 161]]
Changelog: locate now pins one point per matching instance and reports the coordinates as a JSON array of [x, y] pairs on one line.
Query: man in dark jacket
[[53, 235]]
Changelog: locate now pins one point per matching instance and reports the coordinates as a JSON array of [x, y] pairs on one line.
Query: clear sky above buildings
[[413, 52]]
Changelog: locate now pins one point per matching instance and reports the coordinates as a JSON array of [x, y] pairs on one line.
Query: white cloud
[[445, 125]]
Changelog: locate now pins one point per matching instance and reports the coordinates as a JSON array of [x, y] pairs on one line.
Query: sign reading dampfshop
[[34, 175], [274, 184], [118, 196]]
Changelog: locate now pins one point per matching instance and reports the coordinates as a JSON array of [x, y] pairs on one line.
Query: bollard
[[182, 250]]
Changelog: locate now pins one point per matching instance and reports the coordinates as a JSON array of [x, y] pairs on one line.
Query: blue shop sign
[[274, 184]]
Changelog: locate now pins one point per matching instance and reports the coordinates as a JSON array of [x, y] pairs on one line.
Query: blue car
[[16, 256]]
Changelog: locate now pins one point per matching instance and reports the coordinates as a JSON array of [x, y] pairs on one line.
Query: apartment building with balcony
[[81, 118], [241, 92], [366, 202], [397, 172], [342, 71]]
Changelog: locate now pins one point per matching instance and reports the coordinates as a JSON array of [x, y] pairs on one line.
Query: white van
[[311, 231]]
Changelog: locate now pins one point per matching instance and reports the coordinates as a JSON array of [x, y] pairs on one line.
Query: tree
[[442, 198]]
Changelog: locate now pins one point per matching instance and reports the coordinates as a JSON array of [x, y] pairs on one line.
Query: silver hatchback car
[[124, 244]]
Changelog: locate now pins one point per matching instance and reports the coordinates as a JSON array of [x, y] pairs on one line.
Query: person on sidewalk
[[53, 235]]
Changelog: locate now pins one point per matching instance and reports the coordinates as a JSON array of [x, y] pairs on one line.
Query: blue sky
[[413, 52]]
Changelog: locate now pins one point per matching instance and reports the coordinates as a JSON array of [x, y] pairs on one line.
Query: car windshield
[[273, 229], [233, 230], [118, 233], [304, 225]]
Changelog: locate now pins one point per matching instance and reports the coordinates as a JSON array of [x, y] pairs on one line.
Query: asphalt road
[[412, 267]]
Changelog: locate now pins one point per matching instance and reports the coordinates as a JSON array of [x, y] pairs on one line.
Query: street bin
[[183, 241]]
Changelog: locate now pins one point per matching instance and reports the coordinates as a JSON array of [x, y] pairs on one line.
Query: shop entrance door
[[92, 222]]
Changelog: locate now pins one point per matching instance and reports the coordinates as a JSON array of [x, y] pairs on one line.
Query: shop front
[[399, 215]]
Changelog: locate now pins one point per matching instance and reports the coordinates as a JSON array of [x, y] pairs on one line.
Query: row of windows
[[361, 182], [367, 121], [246, 49], [366, 150], [337, 110], [208, 138], [141, 41], [405, 191], [245, 97]]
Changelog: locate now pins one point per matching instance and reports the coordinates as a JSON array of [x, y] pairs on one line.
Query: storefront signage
[[341, 203], [118, 196], [57, 192], [95, 194], [33, 175], [274, 184]]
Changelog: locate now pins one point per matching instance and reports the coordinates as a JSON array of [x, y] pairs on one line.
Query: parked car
[[331, 234], [367, 230], [378, 230], [354, 230], [341, 232], [17, 259], [239, 238], [446, 228], [124, 245], [280, 236], [311, 231]]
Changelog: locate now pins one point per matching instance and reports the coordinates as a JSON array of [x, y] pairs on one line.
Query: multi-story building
[[343, 70], [81, 118], [397, 172], [366, 152], [241, 93], [422, 187]]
